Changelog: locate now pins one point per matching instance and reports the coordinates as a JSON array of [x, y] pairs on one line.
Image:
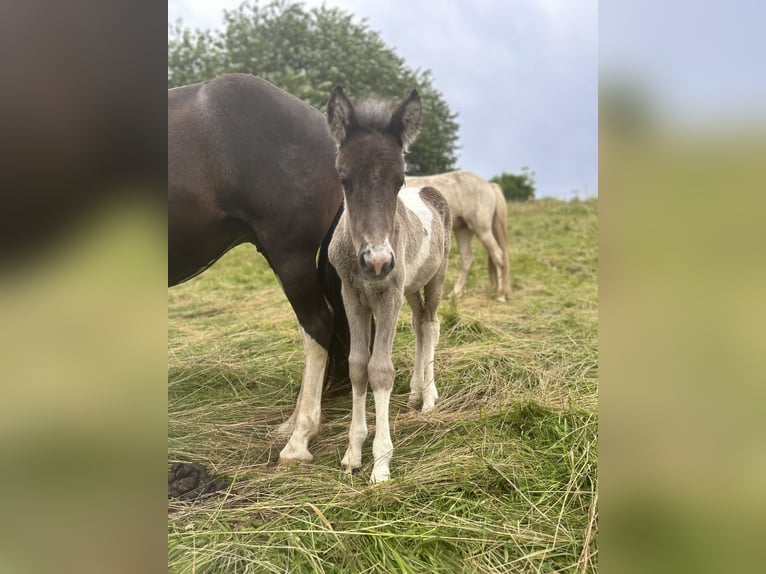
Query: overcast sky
[[521, 74], [699, 61]]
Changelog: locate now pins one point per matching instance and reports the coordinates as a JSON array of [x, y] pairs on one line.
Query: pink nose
[[377, 262]]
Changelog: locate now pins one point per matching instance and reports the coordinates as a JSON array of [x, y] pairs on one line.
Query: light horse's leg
[[301, 285], [359, 322], [381, 373], [496, 253], [463, 236]]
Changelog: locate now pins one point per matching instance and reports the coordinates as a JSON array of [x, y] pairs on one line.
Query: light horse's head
[[370, 161]]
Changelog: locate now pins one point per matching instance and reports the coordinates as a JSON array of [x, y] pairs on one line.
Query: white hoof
[[350, 463], [379, 475], [430, 395], [291, 454], [414, 400]]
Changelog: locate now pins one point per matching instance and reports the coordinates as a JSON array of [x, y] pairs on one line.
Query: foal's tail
[[336, 376], [500, 232]]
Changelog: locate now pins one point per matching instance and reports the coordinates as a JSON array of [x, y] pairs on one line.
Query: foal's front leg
[[359, 322], [381, 373]]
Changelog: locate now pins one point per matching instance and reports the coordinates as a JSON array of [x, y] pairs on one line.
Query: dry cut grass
[[502, 477]]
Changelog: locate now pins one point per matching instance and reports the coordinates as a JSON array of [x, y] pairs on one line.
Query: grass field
[[502, 477]]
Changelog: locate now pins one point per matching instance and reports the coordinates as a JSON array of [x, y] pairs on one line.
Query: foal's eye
[[401, 185], [344, 182]]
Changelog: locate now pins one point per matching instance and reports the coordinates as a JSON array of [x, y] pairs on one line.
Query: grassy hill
[[502, 477]]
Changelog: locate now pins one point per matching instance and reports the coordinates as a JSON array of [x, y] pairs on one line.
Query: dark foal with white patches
[[390, 243]]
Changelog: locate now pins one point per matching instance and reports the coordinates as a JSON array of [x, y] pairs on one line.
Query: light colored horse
[[389, 244], [478, 208]]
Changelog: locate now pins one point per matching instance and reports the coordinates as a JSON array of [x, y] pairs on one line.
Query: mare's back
[[247, 131], [246, 162]]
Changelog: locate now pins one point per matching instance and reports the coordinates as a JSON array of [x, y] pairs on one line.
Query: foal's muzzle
[[377, 262]]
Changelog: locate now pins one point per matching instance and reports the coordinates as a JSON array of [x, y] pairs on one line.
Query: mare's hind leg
[[301, 285], [496, 254], [463, 236]]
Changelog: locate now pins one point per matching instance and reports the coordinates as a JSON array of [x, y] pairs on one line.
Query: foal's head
[[371, 141]]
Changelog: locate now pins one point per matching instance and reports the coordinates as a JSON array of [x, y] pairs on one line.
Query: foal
[[388, 244]]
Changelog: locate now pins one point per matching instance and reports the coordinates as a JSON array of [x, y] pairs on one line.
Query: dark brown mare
[[250, 163]]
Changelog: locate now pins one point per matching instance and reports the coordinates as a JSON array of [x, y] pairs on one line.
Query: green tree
[[308, 51], [517, 187]]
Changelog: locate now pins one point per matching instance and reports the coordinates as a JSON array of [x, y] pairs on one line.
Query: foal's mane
[[373, 115]]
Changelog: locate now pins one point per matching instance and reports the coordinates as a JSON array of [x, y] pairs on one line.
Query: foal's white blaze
[[411, 199], [309, 408]]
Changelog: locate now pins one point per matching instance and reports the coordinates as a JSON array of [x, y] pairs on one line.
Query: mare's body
[[250, 163]]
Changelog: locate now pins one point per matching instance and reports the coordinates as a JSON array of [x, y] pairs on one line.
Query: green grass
[[502, 477]]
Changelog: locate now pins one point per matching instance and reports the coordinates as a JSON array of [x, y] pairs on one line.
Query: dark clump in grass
[[502, 477], [190, 481]]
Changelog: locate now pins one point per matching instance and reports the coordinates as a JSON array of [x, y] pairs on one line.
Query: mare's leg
[[419, 370], [301, 285], [381, 373], [359, 323], [287, 427], [431, 297], [463, 236], [496, 253]]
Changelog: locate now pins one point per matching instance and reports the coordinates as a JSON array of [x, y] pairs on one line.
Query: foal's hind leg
[[463, 236], [430, 332], [419, 370]]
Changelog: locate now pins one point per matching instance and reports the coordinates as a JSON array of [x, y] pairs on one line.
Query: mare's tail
[[500, 232], [336, 376]]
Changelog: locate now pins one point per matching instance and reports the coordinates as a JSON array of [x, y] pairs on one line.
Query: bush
[[515, 187]]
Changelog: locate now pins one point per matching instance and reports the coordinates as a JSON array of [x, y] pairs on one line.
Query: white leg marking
[[419, 370], [381, 373], [382, 447], [431, 338], [357, 432], [287, 427], [309, 409], [359, 322]]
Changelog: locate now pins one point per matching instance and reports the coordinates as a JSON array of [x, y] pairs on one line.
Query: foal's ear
[[405, 121], [340, 114]]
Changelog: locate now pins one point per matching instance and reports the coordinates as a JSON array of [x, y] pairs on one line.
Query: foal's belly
[[420, 270]]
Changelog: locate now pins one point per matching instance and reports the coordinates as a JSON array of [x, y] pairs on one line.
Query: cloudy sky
[[521, 74], [699, 61]]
